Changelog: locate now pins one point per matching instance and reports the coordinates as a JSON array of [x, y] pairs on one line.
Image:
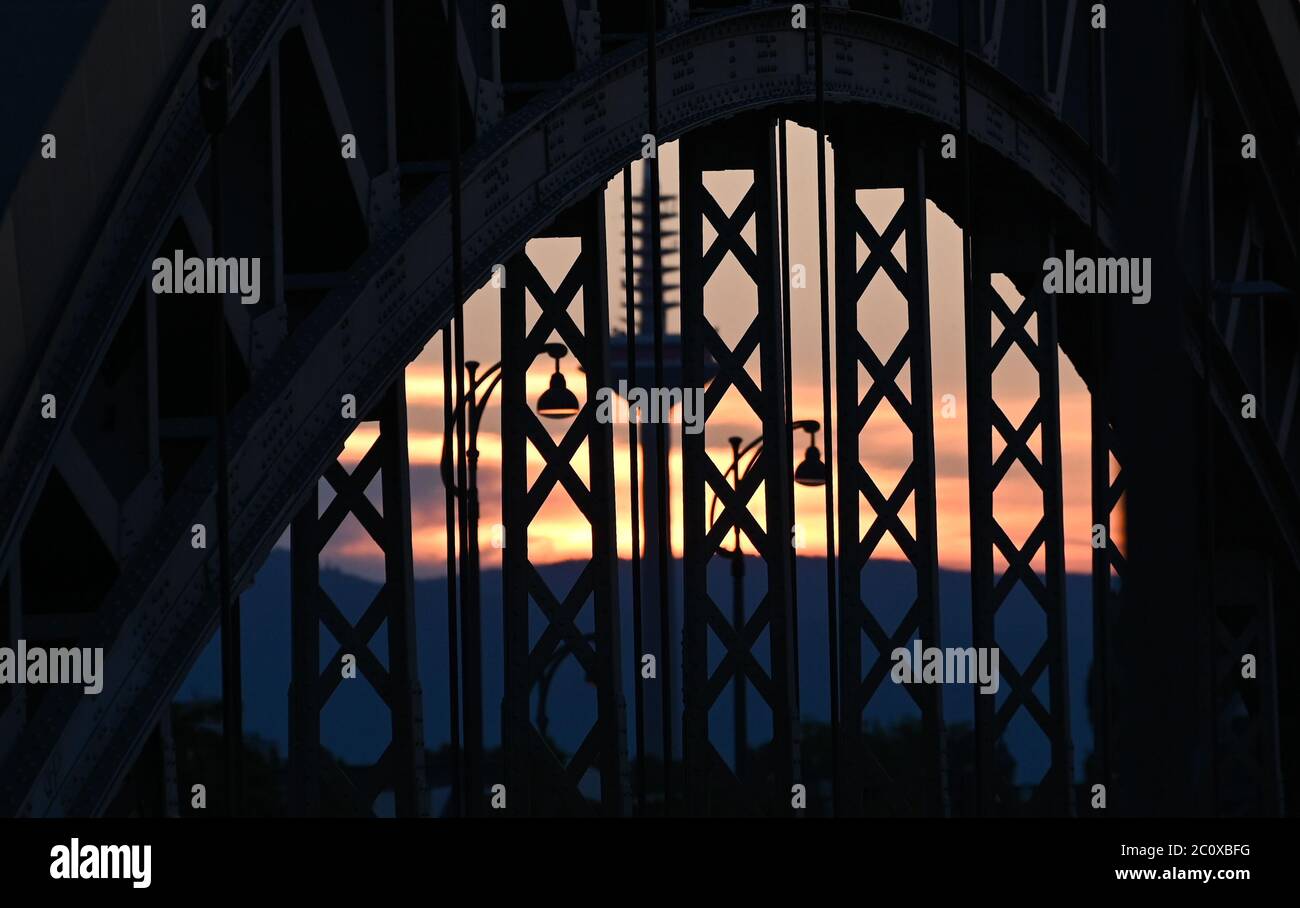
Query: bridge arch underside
[[541, 161]]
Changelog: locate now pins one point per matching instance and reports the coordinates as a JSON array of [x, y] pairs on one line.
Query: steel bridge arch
[[539, 161]]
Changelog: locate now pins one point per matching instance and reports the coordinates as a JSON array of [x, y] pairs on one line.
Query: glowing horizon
[[560, 534]]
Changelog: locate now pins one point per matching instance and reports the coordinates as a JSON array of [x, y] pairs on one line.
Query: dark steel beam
[[663, 545], [631, 335], [833, 615]]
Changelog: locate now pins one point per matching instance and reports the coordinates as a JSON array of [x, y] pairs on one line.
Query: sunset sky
[[559, 534]]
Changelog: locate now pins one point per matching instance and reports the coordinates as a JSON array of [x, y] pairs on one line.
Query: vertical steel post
[[828, 429], [457, 802], [634, 484], [304, 659], [471, 642], [980, 450], [1164, 764], [740, 698], [214, 91], [517, 745], [404, 694], [787, 359], [923, 456], [654, 289], [1107, 556], [1061, 789], [1104, 560]]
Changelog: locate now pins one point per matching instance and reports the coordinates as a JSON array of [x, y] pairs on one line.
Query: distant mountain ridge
[[355, 722]]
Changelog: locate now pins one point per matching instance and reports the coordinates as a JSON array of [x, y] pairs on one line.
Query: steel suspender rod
[[638, 646], [832, 612], [661, 453]]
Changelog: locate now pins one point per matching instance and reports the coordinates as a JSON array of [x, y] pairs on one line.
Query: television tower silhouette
[[652, 435]]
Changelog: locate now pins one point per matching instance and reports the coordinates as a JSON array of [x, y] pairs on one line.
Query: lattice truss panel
[[875, 383], [1018, 587], [544, 626], [712, 785], [390, 671]]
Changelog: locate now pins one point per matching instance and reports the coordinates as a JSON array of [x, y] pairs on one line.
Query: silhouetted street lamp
[[556, 402], [810, 472]]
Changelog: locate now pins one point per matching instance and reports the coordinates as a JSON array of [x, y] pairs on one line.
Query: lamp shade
[[811, 471], [557, 401]]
